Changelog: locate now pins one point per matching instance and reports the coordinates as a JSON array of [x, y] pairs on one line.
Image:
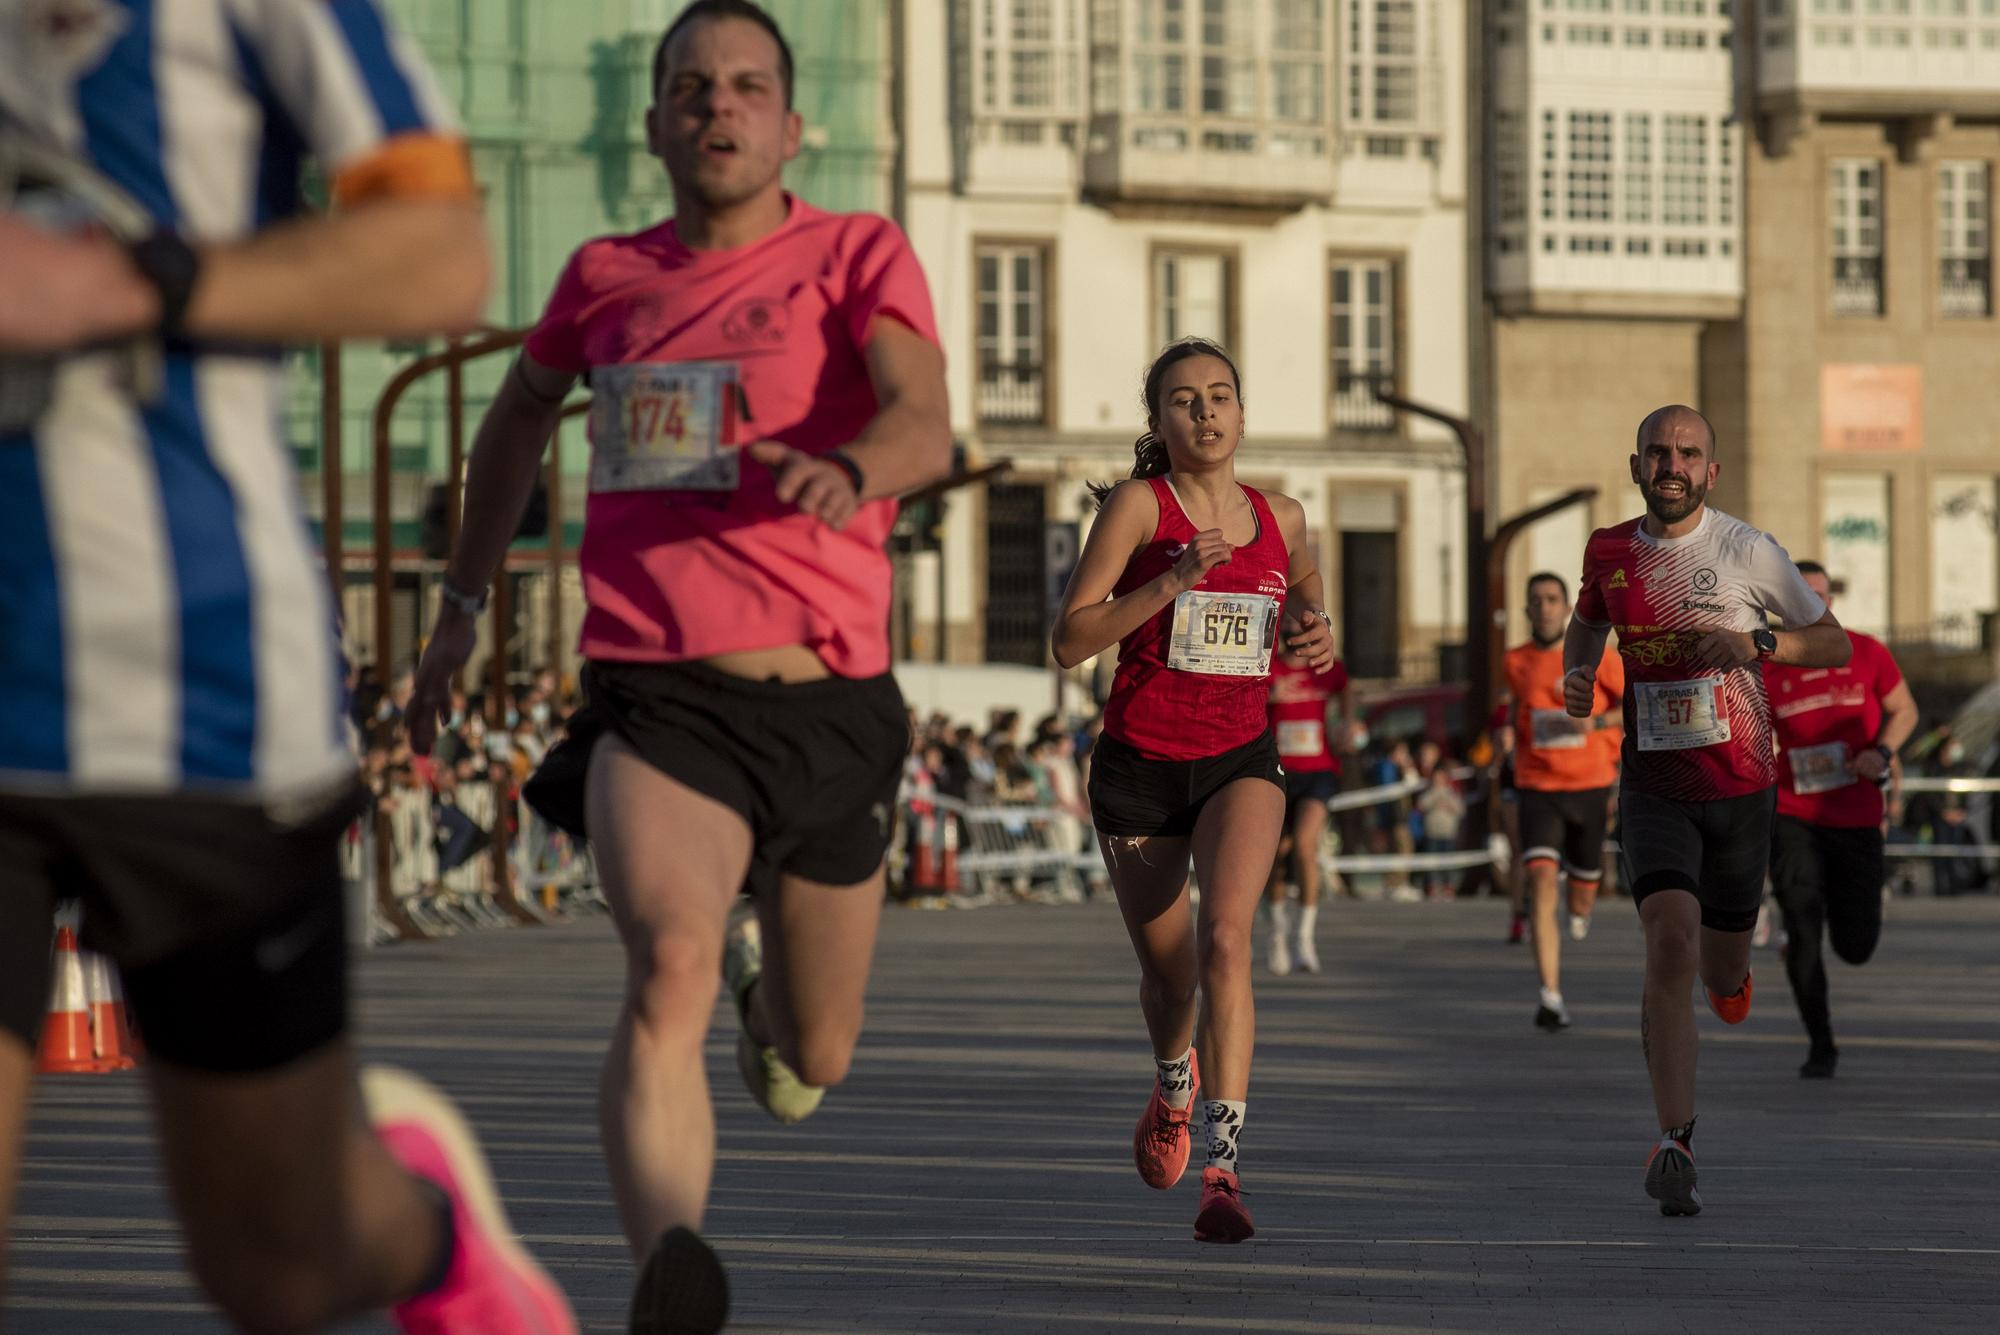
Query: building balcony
[[1355, 407], [1012, 394], [1022, 156], [1877, 64], [1616, 270], [1208, 160], [1965, 288], [1857, 285]]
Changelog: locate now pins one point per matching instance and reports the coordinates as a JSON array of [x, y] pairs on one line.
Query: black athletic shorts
[[225, 918], [1304, 786], [1566, 829], [1132, 797], [1839, 865], [1718, 850], [813, 767]]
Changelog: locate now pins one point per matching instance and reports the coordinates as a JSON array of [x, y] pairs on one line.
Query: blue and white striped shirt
[[165, 625]]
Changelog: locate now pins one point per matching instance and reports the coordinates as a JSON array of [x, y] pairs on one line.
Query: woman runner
[[1192, 574]]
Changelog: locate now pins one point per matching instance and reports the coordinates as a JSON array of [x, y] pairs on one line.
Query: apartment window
[[1639, 168], [1012, 332], [1684, 180], [1191, 296], [1363, 341], [1589, 166], [1856, 189], [1382, 69], [1298, 61], [1965, 239]]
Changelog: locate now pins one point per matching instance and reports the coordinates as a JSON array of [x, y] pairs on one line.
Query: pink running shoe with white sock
[[491, 1285]]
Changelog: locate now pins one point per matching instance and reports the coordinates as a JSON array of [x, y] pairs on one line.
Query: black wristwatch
[[1888, 756], [171, 265], [1766, 642]]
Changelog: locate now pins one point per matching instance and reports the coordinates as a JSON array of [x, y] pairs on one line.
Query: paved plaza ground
[[1418, 1157]]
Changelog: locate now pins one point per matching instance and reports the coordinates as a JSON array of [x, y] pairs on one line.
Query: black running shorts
[[1303, 787], [1132, 797], [1717, 850], [225, 918], [1566, 829], [813, 767]]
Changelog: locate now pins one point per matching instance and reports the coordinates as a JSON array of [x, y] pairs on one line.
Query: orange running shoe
[[1734, 1008], [1223, 1217], [1161, 1140]]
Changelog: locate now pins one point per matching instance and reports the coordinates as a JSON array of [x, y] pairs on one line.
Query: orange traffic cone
[[948, 856], [114, 1046], [65, 1048], [923, 869]]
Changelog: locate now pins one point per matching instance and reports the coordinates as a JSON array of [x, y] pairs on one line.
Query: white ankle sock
[[1308, 919], [1552, 998], [1281, 917], [1177, 1079], [1225, 1124]]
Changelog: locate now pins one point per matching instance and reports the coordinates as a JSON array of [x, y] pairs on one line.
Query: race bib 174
[[664, 426]]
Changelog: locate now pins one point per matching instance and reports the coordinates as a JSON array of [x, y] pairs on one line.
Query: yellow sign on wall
[[1867, 406]]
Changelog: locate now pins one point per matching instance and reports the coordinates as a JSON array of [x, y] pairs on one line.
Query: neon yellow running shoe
[[776, 1087]]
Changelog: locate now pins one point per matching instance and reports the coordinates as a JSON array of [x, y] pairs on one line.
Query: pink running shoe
[[1161, 1141], [491, 1286], [1223, 1217]]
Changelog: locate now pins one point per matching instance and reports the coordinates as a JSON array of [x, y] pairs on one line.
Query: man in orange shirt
[[1564, 769]]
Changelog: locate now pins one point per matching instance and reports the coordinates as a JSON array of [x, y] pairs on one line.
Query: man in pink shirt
[[766, 380]]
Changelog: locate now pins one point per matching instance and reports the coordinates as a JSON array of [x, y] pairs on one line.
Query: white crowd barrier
[[544, 876]]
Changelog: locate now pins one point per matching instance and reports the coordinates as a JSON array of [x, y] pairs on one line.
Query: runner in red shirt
[[742, 731], [1194, 577], [1564, 769], [1691, 592], [1838, 733], [1300, 700]]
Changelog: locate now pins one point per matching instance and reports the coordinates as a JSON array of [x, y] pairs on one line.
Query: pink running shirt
[[674, 575]]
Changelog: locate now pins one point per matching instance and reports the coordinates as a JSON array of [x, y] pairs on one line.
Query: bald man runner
[[1692, 593]]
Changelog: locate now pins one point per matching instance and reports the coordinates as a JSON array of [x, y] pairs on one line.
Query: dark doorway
[[1371, 614], [1016, 574]]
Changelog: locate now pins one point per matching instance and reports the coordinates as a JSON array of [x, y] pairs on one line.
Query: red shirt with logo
[[1299, 699], [1692, 734], [1214, 699], [677, 574], [1826, 717]]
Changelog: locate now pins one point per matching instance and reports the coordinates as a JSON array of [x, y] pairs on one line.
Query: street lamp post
[[1483, 623]]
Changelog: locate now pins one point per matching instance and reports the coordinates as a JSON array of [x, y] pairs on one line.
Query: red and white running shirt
[[1692, 734], [1826, 717]]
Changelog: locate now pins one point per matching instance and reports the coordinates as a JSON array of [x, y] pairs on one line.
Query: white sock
[[1552, 998], [1177, 1079], [1308, 919], [1225, 1124], [1281, 916]]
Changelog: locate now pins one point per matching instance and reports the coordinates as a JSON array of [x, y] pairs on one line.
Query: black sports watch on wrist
[[164, 259], [1766, 642]]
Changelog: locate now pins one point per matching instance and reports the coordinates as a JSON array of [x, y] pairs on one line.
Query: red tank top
[[1297, 710], [1174, 713]]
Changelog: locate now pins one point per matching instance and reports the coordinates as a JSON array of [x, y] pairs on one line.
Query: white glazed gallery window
[[1191, 296], [1383, 66], [1298, 64], [1855, 213]]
